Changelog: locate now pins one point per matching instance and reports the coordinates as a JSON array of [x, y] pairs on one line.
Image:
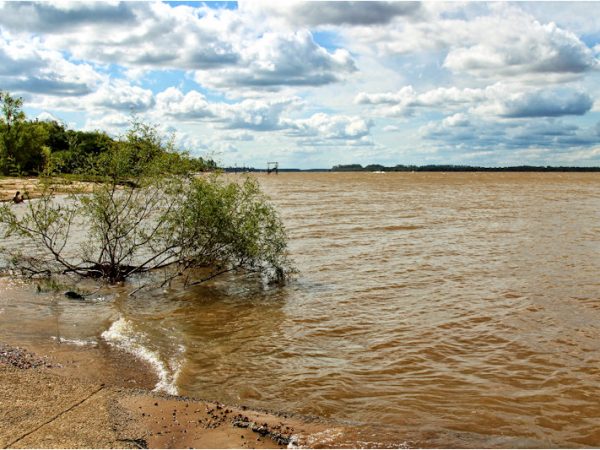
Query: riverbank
[[44, 404], [31, 187]]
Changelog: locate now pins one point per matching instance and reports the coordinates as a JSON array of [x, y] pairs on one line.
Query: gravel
[[21, 358]]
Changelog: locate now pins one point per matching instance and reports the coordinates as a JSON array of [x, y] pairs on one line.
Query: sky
[[315, 84]]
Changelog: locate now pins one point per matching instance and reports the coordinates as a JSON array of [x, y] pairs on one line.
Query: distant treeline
[[254, 169], [428, 168], [31, 147], [458, 168]]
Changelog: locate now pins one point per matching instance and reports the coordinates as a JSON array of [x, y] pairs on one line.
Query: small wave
[[78, 342], [122, 335]]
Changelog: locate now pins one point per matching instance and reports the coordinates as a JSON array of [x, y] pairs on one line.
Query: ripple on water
[[431, 310]]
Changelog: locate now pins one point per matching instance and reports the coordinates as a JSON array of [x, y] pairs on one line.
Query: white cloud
[[190, 106], [405, 95], [449, 96], [275, 60], [58, 15], [525, 47], [153, 36], [588, 156], [480, 134], [28, 66], [224, 48], [264, 115], [500, 99], [574, 16], [257, 115], [545, 103], [45, 116], [456, 120], [303, 13], [501, 42], [249, 114], [113, 123], [326, 126], [242, 136], [122, 96], [407, 100]]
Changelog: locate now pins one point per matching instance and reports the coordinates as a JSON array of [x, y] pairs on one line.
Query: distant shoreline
[[427, 168]]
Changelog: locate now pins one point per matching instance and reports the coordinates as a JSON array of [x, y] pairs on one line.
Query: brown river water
[[430, 309]]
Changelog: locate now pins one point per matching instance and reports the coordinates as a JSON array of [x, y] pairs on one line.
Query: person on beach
[[18, 198]]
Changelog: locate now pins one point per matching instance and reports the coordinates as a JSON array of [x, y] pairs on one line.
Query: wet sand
[[44, 403]]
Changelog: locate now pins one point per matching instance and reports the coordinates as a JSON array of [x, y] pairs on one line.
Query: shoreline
[[56, 393], [47, 402], [31, 186]]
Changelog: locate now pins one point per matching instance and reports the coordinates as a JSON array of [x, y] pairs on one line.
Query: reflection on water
[[448, 309]]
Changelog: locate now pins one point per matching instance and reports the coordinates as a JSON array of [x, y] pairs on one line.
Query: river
[[449, 309]]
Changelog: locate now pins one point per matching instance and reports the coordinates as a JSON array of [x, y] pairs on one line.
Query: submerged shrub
[[148, 214]]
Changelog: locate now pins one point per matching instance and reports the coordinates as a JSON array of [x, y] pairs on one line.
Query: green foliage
[[32, 137], [86, 153], [140, 154], [10, 124], [230, 225], [348, 168], [151, 213], [12, 112], [81, 151]]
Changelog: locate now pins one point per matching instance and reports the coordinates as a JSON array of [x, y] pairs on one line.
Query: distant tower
[[273, 167]]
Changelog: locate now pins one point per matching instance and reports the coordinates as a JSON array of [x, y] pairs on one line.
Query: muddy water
[[431, 309]]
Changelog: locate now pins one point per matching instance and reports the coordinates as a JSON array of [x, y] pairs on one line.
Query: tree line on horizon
[[34, 147], [426, 168], [457, 168]]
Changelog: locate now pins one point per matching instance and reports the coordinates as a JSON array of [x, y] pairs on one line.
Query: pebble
[[21, 358]]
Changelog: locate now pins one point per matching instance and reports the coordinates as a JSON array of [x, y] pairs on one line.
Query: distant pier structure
[[273, 167]]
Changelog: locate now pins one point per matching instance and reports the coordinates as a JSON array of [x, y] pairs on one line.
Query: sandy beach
[[47, 402]]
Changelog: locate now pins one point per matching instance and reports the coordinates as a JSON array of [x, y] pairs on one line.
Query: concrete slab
[[31, 398]]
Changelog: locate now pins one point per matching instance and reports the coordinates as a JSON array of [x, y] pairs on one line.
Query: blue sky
[[313, 84]]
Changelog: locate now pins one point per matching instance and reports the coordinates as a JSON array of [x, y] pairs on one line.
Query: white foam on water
[[323, 438], [293, 442], [122, 335]]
